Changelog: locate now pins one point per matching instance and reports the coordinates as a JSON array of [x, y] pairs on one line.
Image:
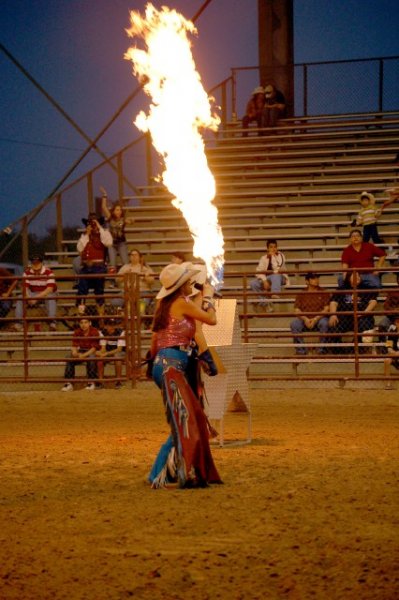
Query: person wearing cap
[[39, 288], [367, 217], [186, 456], [92, 247], [254, 109], [112, 348], [360, 255], [344, 302], [85, 344], [274, 107], [269, 275], [311, 309]]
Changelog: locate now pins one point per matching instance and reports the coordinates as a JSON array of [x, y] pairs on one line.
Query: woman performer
[[186, 456]]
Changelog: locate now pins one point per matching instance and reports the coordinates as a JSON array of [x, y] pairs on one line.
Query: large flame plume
[[179, 107]]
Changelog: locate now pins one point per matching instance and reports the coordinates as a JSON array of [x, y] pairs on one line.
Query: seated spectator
[[346, 300], [311, 307], [39, 288], [392, 346], [270, 276], [85, 345], [254, 110], [112, 348], [367, 217], [92, 246], [137, 265], [274, 107], [391, 303], [361, 255], [7, 286]]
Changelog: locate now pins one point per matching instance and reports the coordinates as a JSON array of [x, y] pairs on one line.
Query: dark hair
[[271, 241], [161, 317], [115, 205], [179, 255], [355, 231]]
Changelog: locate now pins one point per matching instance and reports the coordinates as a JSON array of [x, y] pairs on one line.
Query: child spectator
[[269, 275], [112, 346], [367, 217], [85, 344]]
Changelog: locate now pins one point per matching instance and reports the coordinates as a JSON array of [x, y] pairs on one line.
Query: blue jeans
[[118, 248], [168, 357], [276, 283], [298, 326], [49, 303], [369, 279], [97, 285]]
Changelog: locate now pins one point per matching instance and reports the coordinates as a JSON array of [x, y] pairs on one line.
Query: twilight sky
[[74, 49]]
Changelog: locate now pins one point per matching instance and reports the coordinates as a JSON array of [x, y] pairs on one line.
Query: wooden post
[[276, 46]]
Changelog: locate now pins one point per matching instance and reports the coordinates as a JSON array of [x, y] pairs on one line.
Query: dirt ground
[[309, 509]]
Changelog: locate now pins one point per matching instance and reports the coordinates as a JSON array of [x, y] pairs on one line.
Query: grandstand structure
[[299, 184]]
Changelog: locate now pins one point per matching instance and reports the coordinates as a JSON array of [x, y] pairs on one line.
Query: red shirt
[[362, 258], [85, 341], [38, 282]]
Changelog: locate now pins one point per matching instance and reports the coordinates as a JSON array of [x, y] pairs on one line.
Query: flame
[[179, 107]]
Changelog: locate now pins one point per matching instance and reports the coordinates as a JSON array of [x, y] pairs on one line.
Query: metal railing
[[362, 350]]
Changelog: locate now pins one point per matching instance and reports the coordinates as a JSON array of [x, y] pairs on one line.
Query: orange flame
[[180, 106]]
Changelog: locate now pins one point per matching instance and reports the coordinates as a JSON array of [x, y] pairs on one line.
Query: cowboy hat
[[258, 90], [367, 195], [172, 277]]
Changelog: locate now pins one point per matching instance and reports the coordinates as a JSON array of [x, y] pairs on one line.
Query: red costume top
[[179, 332]]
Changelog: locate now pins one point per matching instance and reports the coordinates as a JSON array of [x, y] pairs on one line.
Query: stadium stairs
[[298, 183]]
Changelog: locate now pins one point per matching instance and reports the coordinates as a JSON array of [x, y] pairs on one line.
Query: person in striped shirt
[[368, 217], [39, 288]]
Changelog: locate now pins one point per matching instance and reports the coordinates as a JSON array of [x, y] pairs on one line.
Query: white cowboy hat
[[258, 90], [172, 278], [367, 195]]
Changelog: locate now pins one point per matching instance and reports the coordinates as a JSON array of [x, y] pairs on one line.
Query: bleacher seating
[[298, 184]]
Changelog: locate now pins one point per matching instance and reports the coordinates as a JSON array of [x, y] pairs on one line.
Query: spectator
[[392, 347], [367, 217], [311, 308], [112, 348], [178, 258], [274, 107], [92, 246], [346, 299], [270, 277], [39, 288], [71, 320], [7, 286], [391, 304], [116, 221], [360, 255], [254, 110], [85, 344], [137, 265]]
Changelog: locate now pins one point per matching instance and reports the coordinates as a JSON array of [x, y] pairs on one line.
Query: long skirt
[[186, 456]]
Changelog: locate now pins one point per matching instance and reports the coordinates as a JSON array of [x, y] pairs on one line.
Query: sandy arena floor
[[309, 510]]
